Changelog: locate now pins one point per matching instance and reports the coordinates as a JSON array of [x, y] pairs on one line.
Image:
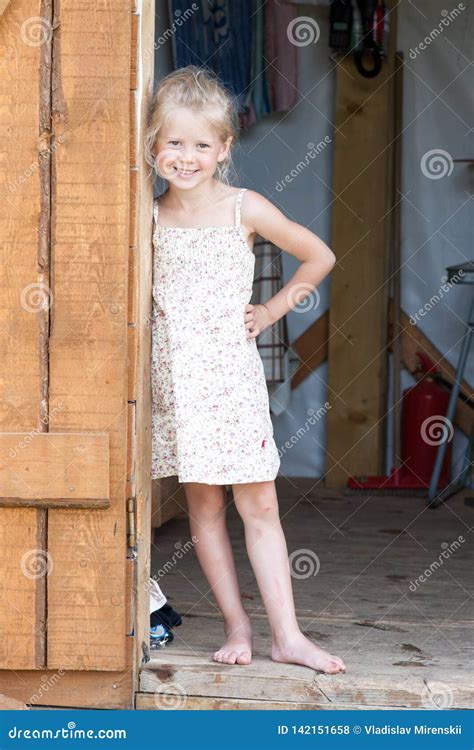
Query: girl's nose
[[187, 154]]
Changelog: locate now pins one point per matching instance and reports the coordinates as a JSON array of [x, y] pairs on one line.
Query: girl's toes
[[232, 657], [331, 667], [244, 657], [336, 665]]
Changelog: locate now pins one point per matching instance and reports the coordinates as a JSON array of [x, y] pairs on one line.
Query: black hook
[[369, 48], [373, 53]]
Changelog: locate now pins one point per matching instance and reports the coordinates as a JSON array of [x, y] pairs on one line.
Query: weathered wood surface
[[78, 689], [159, 701], [22, 315], [88, 341], [54, 469]]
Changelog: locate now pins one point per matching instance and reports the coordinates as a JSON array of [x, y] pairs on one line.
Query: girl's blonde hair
[[201, 90]]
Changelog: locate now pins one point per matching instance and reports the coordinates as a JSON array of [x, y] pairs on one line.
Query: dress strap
[[155, 211], [237, 206]]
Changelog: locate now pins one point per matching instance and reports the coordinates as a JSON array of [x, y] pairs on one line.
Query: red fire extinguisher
[[424, 425]]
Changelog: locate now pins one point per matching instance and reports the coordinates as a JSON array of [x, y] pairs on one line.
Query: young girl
[[211, 424]]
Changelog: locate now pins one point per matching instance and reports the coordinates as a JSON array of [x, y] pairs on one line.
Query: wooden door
[[70, 335]]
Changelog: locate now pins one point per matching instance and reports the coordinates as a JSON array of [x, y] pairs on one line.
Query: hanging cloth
[[274, 70], [245, 43], [281, 56], [217, 35]]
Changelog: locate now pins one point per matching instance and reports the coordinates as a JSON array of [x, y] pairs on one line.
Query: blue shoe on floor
[[159, 635]]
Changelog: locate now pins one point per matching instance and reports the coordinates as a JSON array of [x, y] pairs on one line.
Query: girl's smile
[[185, 173]]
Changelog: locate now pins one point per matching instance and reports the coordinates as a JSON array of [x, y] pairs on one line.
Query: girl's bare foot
[[237, 648], [300, 650]]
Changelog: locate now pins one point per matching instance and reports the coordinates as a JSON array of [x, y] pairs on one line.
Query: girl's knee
[[257, 503]]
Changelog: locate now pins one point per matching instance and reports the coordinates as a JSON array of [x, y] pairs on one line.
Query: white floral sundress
[[210, 409]]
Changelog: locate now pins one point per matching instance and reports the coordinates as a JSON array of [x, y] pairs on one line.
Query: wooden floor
[[404, 645]]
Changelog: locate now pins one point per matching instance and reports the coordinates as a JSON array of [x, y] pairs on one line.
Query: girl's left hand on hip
[[257, 318]]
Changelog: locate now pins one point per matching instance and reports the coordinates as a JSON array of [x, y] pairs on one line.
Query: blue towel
[[219, 36]]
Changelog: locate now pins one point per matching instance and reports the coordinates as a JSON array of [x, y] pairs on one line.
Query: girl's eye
[[174, 143], [206, 145]]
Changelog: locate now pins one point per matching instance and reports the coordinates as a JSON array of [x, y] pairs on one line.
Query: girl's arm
[[317, 259]]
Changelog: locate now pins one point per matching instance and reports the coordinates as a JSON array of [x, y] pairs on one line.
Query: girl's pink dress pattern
[[210, 410]]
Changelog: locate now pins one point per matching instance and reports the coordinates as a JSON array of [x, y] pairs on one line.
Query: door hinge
[[131, 522], [145, 654]]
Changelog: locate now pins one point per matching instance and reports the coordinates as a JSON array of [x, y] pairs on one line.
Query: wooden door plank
[[22, 531], [54, 470], [62, 688], [86, 591]]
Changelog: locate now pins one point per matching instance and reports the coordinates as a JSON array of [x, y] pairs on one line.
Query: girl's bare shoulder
[[256, 208]]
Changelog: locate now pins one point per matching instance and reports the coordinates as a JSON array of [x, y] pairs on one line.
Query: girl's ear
[[224, 154]]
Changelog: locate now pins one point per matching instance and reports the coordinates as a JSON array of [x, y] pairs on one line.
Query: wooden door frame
[[141, 216]]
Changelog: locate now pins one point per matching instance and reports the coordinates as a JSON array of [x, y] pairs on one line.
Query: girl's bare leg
[[207, 521], [257, 504]]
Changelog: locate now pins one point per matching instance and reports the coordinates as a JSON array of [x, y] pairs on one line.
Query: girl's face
[[188, 149]]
